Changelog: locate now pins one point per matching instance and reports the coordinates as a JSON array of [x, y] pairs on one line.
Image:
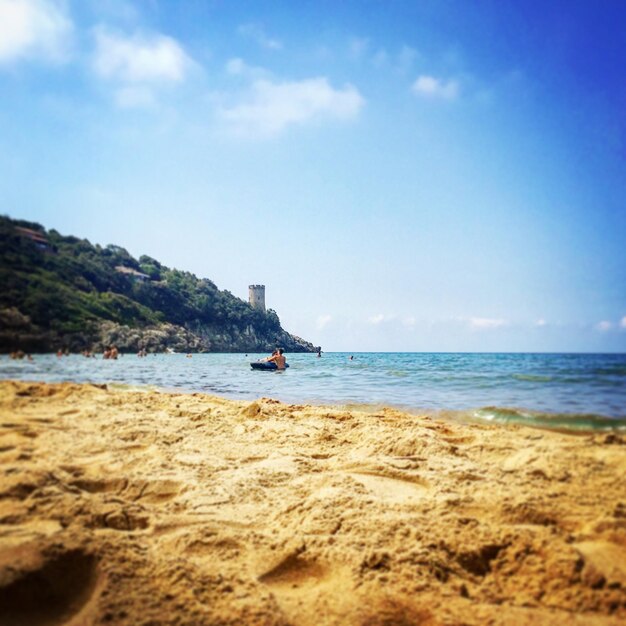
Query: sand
[[140, 507]]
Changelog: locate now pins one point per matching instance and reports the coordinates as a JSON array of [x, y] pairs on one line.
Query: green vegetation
[[68, 285]]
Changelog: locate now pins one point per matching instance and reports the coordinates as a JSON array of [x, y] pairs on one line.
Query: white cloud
[[541, 322], [257, 33], [604, 325], [622, 322], [407, 321], [376, 319], [274, 106], [323, 321], [140, 59], [34, 28], [431, 87], [485, 323], [380, 318]]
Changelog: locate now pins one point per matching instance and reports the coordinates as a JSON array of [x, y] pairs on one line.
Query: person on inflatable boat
[[278, 358]]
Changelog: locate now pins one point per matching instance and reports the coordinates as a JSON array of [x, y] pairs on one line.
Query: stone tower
[[256, 296]]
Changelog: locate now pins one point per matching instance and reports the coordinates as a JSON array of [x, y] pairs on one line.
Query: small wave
[[533, 378], [555, 421]]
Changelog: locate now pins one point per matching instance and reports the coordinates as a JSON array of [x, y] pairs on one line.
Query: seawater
[[566, 391]]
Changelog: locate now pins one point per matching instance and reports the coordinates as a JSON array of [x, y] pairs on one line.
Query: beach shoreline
[[585, 393], [152, 507]]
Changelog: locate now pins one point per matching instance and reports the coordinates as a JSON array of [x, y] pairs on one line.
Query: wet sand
[[146, 508]]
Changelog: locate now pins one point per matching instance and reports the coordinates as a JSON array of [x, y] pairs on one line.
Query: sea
[[577, 392]]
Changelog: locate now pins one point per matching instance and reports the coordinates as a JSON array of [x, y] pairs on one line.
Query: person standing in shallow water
[[279, 359]]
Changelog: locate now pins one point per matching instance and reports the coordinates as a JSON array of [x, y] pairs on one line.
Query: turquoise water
[[571, 391]]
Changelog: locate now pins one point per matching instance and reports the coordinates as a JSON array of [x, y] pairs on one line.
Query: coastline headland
[[142, 507], [64, 293]]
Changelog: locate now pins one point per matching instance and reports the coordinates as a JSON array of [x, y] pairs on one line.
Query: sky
[[433, 175]]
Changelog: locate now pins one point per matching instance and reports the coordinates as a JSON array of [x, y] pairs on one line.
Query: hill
[[64, 292]]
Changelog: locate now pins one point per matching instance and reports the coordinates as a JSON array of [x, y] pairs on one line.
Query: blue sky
[[427, 175]]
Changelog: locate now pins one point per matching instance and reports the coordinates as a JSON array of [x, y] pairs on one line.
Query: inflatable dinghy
[[265, 366]]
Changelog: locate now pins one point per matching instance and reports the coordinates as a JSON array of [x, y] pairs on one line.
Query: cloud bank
[[484, 323]]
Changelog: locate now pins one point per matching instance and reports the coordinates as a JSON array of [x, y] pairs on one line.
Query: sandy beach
[[145, 508]]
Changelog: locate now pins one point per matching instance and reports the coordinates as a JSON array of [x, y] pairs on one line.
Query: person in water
[[279, 359], [267, 359]]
